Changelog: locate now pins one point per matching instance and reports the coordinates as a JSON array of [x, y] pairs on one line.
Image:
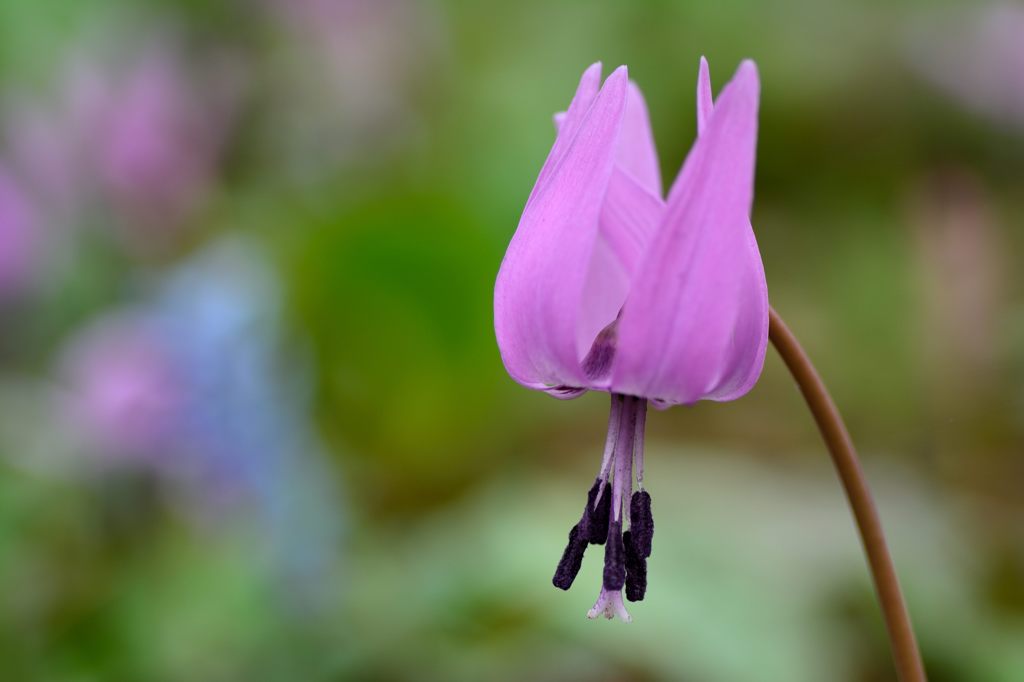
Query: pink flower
[[607, 286], [126, 388], [148, 132]]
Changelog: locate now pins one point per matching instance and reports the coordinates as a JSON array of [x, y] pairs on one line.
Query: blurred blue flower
[[193, 385]]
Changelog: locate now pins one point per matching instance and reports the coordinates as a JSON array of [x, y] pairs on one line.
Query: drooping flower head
[[608, 286]]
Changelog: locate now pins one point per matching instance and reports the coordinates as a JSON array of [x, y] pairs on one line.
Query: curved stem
[[844, 457]]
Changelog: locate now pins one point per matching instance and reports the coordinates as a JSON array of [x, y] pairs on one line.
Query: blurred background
[[253, 421]]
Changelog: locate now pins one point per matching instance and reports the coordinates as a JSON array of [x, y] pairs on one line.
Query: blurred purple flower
[[962, 262], [605, 286], [19, 237], [152, 134], [141, 131], [127, 389], [977, 58]]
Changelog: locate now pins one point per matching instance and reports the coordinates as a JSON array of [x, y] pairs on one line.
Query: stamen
[[614, 558], [596, 514], [592, 528], [572, 560], [638, 441], [614, 421], [641, 522], [624, 457], [636, 570]]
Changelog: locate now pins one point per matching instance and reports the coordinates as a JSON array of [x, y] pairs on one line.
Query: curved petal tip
[[747, 75]]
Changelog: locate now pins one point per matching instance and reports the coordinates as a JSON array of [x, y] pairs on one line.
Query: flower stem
[[901, 635]]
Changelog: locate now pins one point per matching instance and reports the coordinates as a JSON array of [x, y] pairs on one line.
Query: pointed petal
[[705, 103], [567, 123], [539, 287], [637, 154], [695, 324]]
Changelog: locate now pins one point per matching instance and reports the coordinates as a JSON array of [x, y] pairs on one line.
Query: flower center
[[605, 514], [598, 362]]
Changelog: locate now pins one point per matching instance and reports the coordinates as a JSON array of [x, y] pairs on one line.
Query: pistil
[[609, 602]]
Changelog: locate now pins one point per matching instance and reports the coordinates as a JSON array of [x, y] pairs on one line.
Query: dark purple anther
[[636, 570], [596, 520], [572, 559], [592, 528], [641, 522], [614, 558]]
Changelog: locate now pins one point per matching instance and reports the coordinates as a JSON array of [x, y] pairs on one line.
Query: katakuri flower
[[607, 286]]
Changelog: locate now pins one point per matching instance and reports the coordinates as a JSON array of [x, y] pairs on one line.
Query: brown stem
[[844, 457]]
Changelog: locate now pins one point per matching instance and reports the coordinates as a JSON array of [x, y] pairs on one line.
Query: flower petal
[[567, 123], [705, 105], [629, 217], [695, 323], [704, 100], [540, 284], [637, 154]]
